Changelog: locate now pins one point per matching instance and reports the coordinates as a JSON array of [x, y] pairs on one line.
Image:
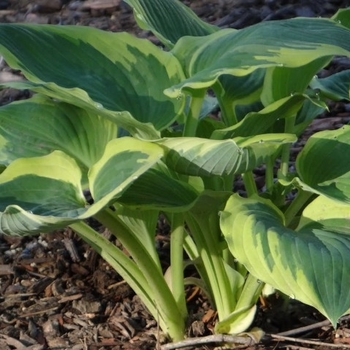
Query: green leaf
[[42, 193], [294, 262], [252, 124], [244, 89], [123, 161], [47, 126], [343, 17], [232, 91], [186, 49], [330, 214], [115, 70], [242, 110], [281, 82], [158, 189], [207, 126], [335, 87], [18, 183], [209, 103], [78, 97], [202, 157], [237, 322], [287, 43], [260, 148], [324, 164], [142, 224], [308, 112], [169, 20]]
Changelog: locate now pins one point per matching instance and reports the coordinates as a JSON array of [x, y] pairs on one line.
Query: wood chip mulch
[[57, 293]]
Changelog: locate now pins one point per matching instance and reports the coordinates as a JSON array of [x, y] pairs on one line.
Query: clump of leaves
[[130, 122]]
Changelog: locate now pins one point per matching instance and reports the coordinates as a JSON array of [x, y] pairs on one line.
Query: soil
[[57, 293]]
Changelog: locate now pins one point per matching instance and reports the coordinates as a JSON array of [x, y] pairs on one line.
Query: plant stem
[[298, 202], [214, 183], [192, 119], [250, 292], [119, 261], [176, 262], [228, 112], [192, 252], [289, 128], [269, 173], [249, 183], [203, 230], [228, 182], [142, 224], [227, 109], [244, 311], [160, 292]]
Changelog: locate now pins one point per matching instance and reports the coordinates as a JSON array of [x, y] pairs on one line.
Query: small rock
[[51, 328], [75, 5], [305, 11], [197, 329], [87, 307], [4, 4], [47, 6], [34, 18], [347, 107], [57, 343]]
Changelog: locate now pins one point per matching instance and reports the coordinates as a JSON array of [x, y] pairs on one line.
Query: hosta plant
[[130, 122]]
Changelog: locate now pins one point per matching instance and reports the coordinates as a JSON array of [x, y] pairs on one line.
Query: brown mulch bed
[[57, 293]]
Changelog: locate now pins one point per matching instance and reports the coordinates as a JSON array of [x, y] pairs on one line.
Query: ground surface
[[56, 293]]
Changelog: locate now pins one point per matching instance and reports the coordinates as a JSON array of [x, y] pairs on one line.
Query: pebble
[[46, 6], [4, 4]]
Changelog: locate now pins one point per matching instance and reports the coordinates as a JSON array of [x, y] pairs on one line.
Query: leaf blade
[[329, 147], [288, 43], [169, 20], [40, 193], [294, 262], [53, 126], [123, 161], [114, 69]]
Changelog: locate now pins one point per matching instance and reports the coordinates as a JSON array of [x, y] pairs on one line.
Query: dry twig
[[311, 327], [309, 342], [217, 338]]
